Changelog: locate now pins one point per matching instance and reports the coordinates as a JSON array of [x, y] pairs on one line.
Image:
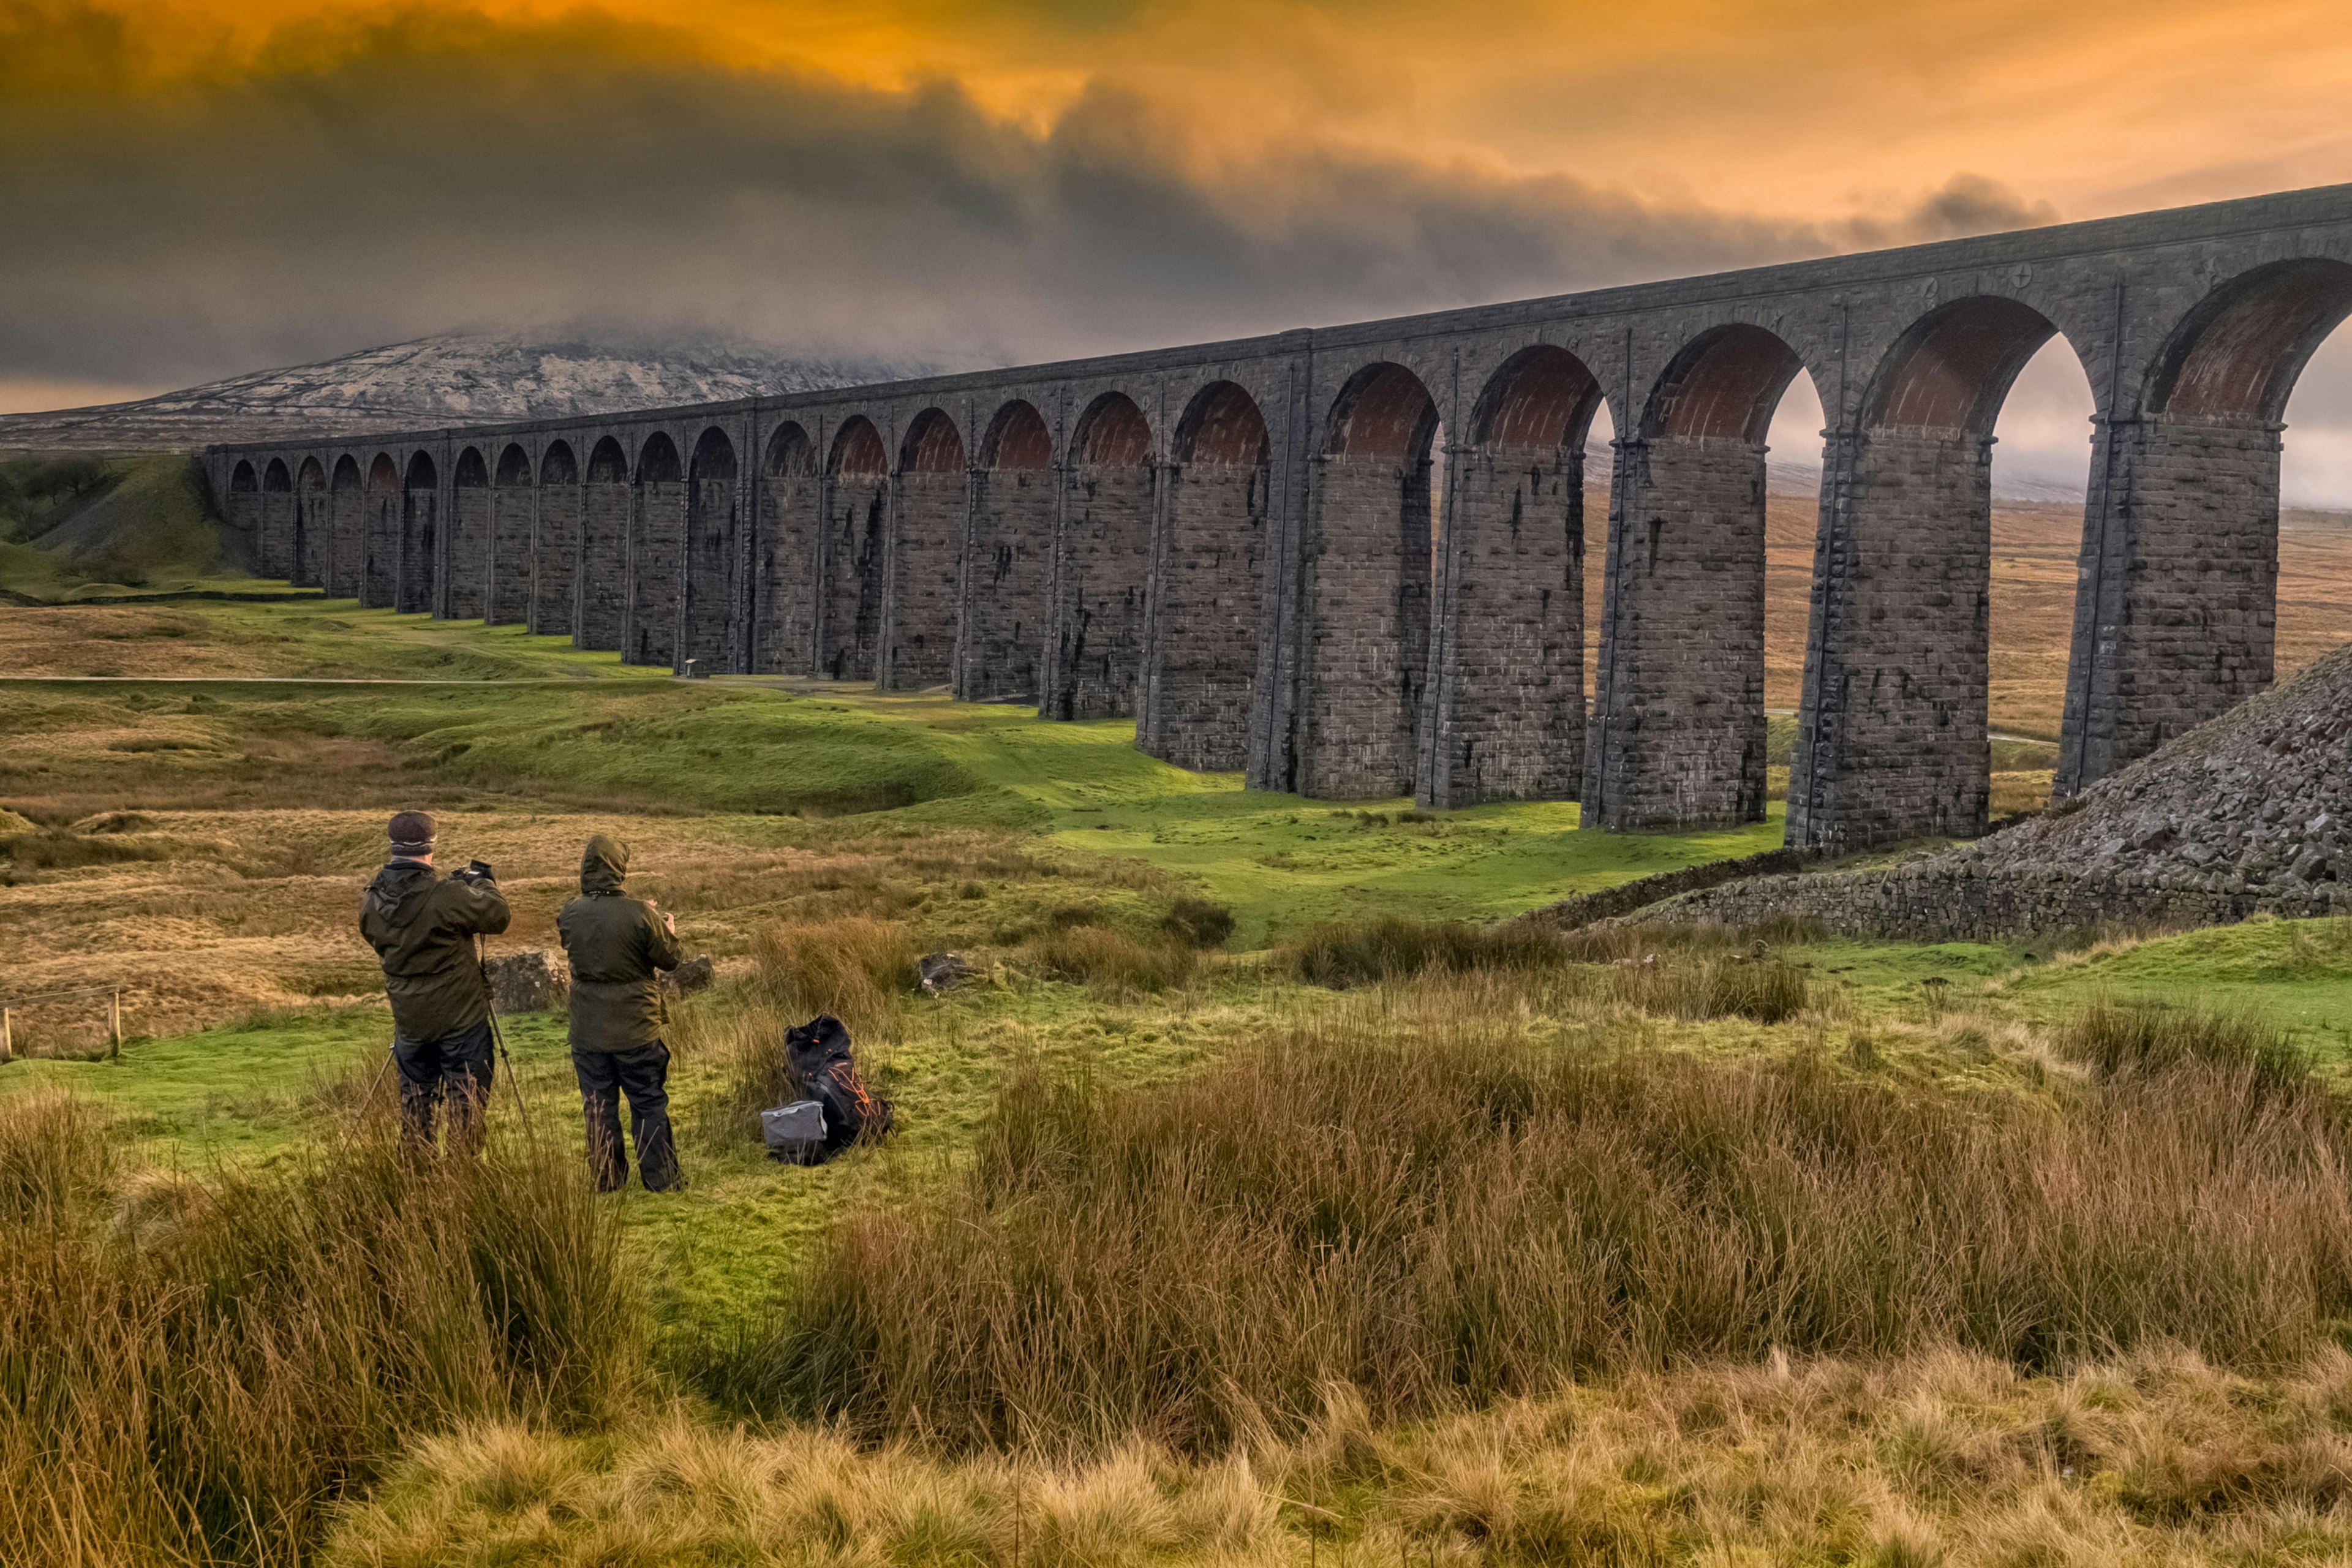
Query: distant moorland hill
[[459, 378]]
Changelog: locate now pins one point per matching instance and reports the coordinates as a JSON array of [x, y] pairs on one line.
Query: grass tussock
[[1197, 922], [2147, 1039], [1940, 1459], [857, 968], [1110, 961], [1429, 1206], [196, 1370], [1697, 973], [1364, 952]]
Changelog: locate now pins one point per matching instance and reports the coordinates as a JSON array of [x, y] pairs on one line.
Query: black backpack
[[818, 1052]]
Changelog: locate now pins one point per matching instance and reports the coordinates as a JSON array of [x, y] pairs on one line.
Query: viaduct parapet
[[1350, 560]]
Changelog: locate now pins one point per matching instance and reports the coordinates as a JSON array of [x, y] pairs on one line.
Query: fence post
[[114, 1024], [7, 1043]]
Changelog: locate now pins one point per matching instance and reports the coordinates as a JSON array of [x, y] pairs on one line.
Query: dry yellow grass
[[126, 640], [1941, 1458], [222, 912]]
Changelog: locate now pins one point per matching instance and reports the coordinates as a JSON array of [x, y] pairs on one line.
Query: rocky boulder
[[533, 981]]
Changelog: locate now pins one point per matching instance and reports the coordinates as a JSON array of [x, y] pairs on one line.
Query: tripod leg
[[369, 1099]]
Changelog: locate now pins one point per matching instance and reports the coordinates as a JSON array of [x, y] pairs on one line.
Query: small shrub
[[1197, 922], [1110, 959], [858, 969]]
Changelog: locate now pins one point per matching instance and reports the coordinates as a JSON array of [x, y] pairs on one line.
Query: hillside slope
[[459, 378]]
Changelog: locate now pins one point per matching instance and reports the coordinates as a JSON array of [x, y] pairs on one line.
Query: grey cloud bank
[[435, 170]]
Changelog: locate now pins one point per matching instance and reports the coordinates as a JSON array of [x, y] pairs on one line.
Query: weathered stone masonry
[[1377, 586]]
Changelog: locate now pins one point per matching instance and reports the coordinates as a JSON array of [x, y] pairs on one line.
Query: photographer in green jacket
[[422, 926], [617, 946]]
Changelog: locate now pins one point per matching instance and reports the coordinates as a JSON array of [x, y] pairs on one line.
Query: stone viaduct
[[1350, 560]]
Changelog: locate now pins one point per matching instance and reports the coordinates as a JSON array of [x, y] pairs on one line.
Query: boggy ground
[[789, 1366]]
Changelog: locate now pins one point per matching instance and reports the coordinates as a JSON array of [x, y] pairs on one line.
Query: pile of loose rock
[[2248, 814]]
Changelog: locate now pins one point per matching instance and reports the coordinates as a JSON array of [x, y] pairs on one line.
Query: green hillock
[[75, 527]]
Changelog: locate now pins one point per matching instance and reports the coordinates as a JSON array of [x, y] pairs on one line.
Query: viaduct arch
[[1351, 560]]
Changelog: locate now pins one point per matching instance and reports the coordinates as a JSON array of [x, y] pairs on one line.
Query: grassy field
[[201, 846]]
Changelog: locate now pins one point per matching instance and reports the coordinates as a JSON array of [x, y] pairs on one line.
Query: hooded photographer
[[617, 946], [422, 926]]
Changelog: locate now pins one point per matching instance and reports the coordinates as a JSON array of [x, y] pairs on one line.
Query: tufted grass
[[198, 1366], [1425, 1199]]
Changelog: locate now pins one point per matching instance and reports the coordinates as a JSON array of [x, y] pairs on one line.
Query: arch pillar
[[1505, 710], [1891, 734], [1010, 548], [1676, 738], [1366, 589], [788, 555], [346, 548], [470, 557], [854, 571], [312, 525], [2176, 618], [932, 512], [1102, 566], [606, 507], [507, 593], [708, 629], [274, 538], [557, 502]]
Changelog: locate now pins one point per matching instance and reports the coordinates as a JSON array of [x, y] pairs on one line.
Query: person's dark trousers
[[452, 1071], [642, 1075]]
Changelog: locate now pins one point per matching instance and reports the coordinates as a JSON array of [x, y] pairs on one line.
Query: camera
[[474, 871]]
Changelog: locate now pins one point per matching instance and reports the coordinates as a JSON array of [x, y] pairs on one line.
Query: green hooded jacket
[[422, 925], [616, 944]]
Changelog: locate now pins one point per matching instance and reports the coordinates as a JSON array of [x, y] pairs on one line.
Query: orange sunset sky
[[196, 189]]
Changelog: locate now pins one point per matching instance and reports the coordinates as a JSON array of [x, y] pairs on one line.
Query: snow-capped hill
[[460, 378]]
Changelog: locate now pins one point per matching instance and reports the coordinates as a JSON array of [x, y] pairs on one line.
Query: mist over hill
[[457, 378]]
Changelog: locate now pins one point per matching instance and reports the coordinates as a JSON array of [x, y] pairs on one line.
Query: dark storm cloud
[[433, 169]]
